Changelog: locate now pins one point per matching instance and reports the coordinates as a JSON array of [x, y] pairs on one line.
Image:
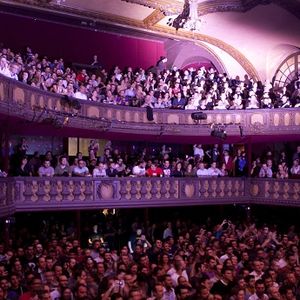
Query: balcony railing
[[29, 103], [21, 194]]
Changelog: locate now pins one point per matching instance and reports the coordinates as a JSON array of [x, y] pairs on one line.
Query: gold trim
[[159, 29], [153, 18], [236, 54]]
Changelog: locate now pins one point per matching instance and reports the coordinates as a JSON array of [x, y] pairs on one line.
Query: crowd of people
[[206, 160], [176, 259], [195, 89]]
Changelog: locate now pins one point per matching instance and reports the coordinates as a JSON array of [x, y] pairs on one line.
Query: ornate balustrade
[[28, 103], [67, 193]]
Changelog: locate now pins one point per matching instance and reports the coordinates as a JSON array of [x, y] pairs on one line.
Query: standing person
[[241, 164], [224, 285]]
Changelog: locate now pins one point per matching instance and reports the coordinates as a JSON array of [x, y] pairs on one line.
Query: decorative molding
[[157, 29], [21, 194], [153, 18], [170, 7], [236, 54], [34, 107]]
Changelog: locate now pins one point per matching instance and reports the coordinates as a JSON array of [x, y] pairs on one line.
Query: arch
[[288, 71], [277, 55], [183, 53]]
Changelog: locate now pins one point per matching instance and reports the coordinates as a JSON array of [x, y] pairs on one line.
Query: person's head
[[81, 163], [66, 294], [258, 266], [116, 296], [36, 285], [47, 163], [274, 293], [81, 292], [63, 160], [240, 295], [158, 291], [135, 294], [4, 284], [227, 274], [182, 292], [168, 281], [259, 287], [63, 281]]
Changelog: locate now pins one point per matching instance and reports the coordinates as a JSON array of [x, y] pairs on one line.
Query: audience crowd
[[215, 160], [162, 261], [196, 89]]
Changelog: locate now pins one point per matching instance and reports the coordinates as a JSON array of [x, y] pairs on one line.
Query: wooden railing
[[19, 194], [29, 103]]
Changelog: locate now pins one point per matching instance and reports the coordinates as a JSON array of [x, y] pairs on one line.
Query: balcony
[[20, 194], [39, 111]]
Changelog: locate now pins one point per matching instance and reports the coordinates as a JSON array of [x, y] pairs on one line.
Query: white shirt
[[198, 151], [256, 275], [295, 170], [255, 297], [202, 172], [175, 277], [5, 72], [214, 172], [99, 173], [169, 295], [137, 170], [80, 95]]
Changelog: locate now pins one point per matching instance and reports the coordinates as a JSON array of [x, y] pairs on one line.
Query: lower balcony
[[22, 194]]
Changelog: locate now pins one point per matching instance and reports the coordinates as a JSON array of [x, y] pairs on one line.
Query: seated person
[[100, 170], [213, 170], [140, 169], [46, 170], [62, 169], [81, 170], [154, 171]]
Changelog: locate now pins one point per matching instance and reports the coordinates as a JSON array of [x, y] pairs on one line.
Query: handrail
[[19, 194], [23, 101]]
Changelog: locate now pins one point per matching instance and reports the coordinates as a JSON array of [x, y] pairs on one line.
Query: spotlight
[[219, 133], [241, 130], [199, 115]]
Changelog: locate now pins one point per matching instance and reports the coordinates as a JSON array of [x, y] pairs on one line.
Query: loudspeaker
[[220, 134], [149, 111], [199, 115]]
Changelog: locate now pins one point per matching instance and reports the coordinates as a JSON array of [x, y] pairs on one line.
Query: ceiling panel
[[114, 7]]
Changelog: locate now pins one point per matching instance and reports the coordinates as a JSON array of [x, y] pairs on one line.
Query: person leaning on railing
[[46, 170]]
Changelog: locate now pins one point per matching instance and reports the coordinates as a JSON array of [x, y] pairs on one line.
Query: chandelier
[[188, 19]]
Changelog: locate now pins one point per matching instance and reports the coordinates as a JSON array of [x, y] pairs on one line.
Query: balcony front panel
[[67, 193], [37, 106]]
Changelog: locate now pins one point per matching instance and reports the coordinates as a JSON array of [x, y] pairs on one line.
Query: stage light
[[219, 133], [241, 130], [199, 115]]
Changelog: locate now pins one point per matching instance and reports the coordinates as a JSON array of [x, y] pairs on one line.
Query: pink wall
[[78, 45]]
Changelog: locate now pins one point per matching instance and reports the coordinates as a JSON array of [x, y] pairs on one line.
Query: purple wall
[[77, 44]]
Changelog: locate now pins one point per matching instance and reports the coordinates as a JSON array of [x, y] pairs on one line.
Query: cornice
[[236, 54], [169, 7], [147, 27], [153, 18]]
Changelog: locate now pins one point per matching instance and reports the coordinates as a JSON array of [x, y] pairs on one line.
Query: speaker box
[[149, 111], [199, 115]]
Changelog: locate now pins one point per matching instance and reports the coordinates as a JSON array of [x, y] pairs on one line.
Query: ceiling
[[227, 26], [149, 12]]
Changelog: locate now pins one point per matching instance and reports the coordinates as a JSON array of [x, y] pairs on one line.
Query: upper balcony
[[26, 109], [21, 194]]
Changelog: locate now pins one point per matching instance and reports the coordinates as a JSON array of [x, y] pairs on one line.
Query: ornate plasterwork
[[236, 54], [153, 18], [170, 7], [158, 29]]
